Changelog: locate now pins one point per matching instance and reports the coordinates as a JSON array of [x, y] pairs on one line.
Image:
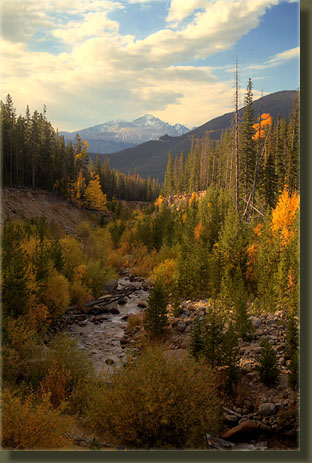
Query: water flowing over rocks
[[257, 416], [101, 330]]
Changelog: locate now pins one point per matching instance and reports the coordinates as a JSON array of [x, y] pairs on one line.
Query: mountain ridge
[[150, 158], [119, 134]]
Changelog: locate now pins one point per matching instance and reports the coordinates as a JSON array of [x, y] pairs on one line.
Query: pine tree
[[231, 358], [269, 371], [291, 338], [169, 177], [15, 292], [247, 144], [213, 337], [196, 339], [156, 313], [293, 375], [240, 300]]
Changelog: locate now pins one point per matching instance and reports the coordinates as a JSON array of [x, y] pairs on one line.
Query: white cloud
[[277, 59], [104, 75]]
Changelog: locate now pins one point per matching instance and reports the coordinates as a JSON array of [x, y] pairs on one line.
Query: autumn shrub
[[80, 292], [144, 261], [73, 255], [157, 401], [32, 423], [165, 270], [135, 320], [64, 355], [55, 293], [21, 351], [83, 394], [97, 273], [56, 383]]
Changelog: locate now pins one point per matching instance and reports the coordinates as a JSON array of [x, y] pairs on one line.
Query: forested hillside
[[34, 154]]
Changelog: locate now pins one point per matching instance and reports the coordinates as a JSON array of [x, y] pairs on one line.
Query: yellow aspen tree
[[95, 197]]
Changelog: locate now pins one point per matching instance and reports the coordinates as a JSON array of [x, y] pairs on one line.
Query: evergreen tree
[[269, 371], [247, 144], [231, 359], [240, 300], [156, 313], [291, 338], [169, 177], [293, 375], [196, 339], [213, 337], [15, 292]]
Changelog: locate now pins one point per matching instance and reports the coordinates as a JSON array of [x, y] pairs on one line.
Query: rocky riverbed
[[101, 329], [258, 418]]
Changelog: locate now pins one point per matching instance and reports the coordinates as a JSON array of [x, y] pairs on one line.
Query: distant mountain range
[[150, 158], [117, 135]]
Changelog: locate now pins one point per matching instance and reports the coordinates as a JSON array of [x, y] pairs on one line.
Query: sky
[[92, 61]]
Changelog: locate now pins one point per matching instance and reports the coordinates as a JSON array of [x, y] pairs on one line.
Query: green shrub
[[158, 402]]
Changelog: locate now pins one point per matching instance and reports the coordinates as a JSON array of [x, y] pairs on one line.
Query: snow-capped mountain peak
[[140, 130]]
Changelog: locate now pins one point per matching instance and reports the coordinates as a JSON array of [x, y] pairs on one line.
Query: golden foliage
[[198, 230], [158, 401], [159, 201], [284, 214], [55, 293], [56, 384], [193, 198], [165, 271], [32, 424], [79, 290], [258, 229], [37, 316], [266, 119], [95, 197], [72, 252]]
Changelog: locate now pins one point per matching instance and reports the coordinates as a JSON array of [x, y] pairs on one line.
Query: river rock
[[114, 311], [111, 285], [142, 304], [122, 301], [267, 409], [147, 285], [256, 322], [181, 326], [215, 443]]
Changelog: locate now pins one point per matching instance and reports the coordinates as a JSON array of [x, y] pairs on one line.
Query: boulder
[[111, 285], [217, 443], [122, 301], [114, 311], [267, 409], [142, 304], [181, 326], [256, 322]]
